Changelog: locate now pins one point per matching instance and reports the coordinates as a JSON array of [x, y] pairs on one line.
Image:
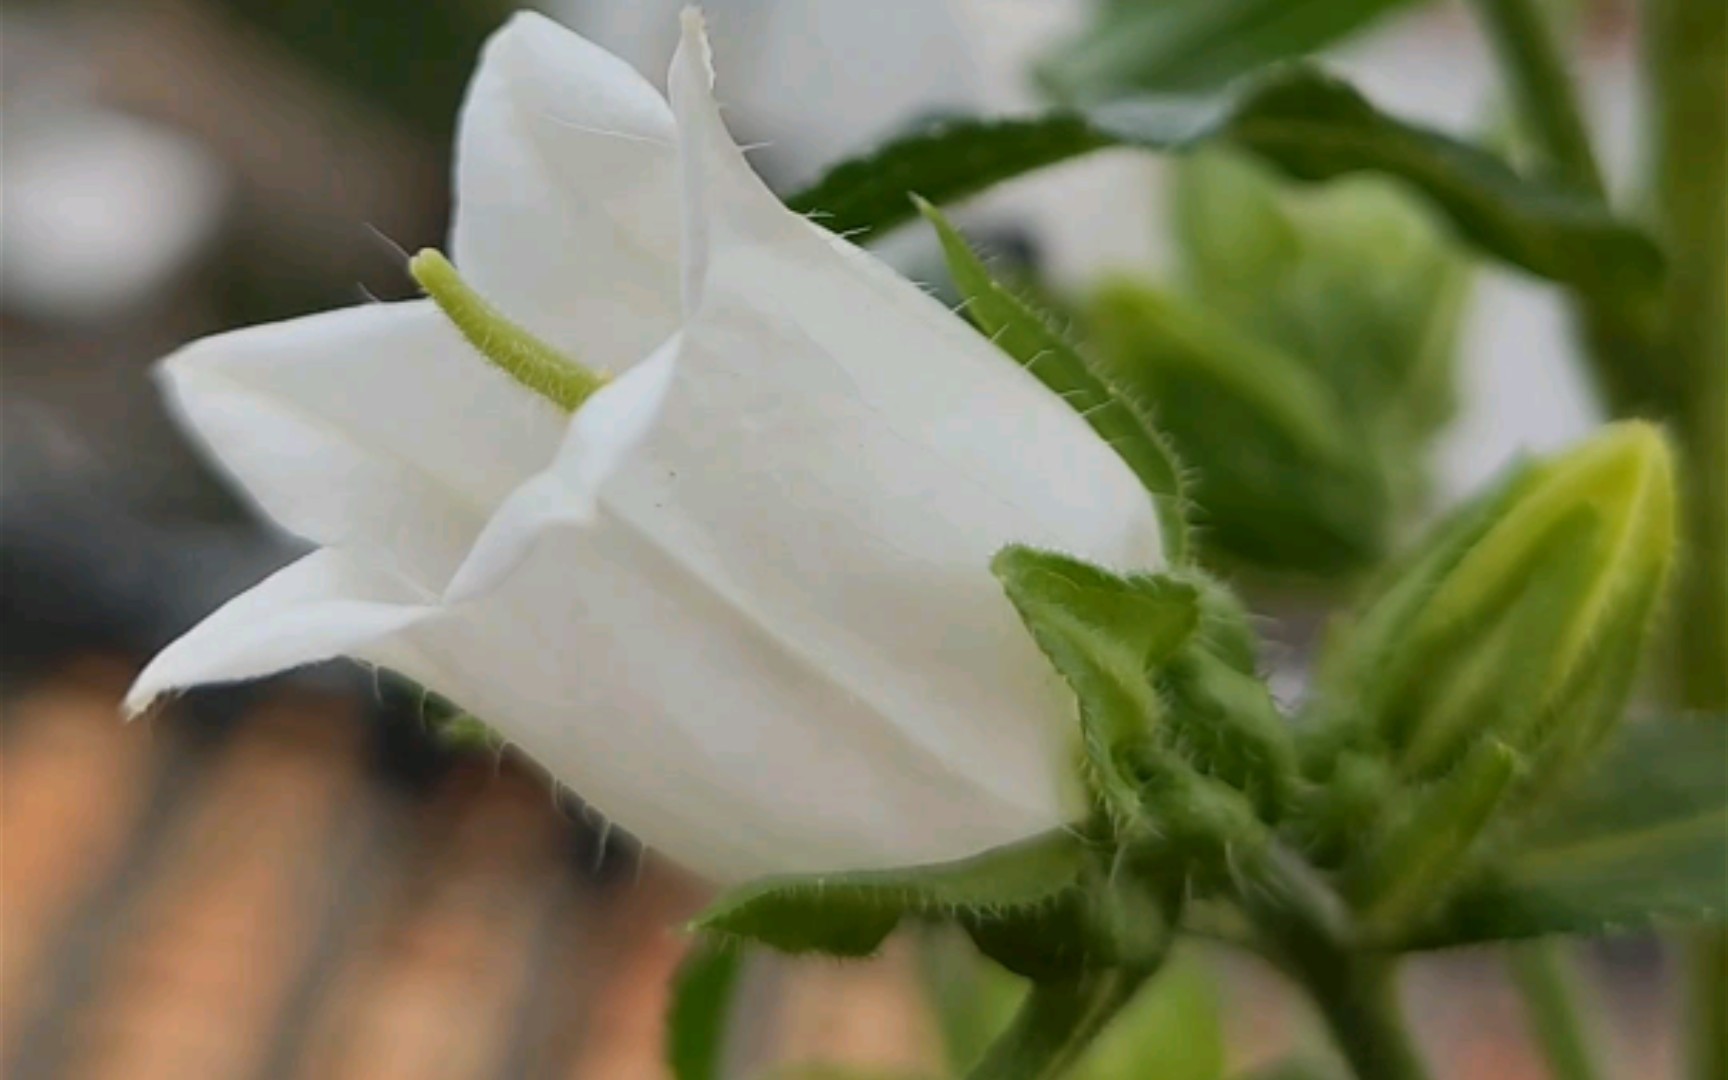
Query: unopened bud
[[1285, 476], [1521, 619]]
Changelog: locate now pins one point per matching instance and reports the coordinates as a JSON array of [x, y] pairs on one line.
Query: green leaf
[[701, 1010], [1026, 334], [1146, 45], [1311, 125], [1103, 633], [1642, 840], [850, 914]]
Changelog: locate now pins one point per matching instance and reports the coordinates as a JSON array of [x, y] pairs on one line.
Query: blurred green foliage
[[1134, 46], [1302, 359]]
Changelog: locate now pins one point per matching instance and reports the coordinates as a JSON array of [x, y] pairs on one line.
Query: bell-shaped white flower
[[740, 599]]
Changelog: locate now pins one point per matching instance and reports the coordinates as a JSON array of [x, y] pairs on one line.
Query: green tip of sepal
[[1424, 848], [1523, 616], [526, 359], [1030, 337]]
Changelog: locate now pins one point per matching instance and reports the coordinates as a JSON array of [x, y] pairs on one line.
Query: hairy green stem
[[1358, 997], [1057, 1024], [1550, 984], [1541, 88], [1686, 68], [1310, 935]]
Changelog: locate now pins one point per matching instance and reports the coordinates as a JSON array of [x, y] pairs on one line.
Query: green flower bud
[[1354, 277], [1301, 360], [1520, 620], [1284, 474]]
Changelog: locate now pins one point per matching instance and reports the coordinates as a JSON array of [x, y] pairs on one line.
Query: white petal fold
[[566, 194], [601, 437]]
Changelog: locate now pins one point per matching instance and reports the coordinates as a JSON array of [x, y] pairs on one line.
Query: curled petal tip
[[143, 697]]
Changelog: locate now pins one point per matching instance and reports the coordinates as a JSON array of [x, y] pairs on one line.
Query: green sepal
[[1310, 124], [1224, 723], [1029, 336], [1414, 859], [1640, 841], [1202, 821], [1103, 633], [1121, 912], [850, 914], [701, 1010]]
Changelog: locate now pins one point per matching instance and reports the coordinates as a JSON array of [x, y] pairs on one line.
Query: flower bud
[[1520, 620], [1284, 475], [1301, 358]]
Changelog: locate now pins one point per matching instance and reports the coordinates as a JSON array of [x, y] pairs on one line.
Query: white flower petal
[[602, 434], [673, 713], [323, 606], [374, 428], [841, 457], [744, 608], [566, 194]]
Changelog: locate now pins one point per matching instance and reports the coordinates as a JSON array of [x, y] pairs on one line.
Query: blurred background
[[312, 876]]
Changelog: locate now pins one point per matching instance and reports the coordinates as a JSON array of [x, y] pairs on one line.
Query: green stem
[[1358, 997], [1310, 935], [1620, 329], [1688, 74], [1541, 88], [1709, 1005], [1057, 1023], [1549, 983], [1686, 67]]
